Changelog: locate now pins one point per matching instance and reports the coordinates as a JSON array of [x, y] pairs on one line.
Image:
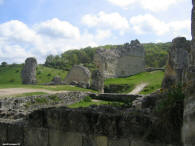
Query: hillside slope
[[11, 74]]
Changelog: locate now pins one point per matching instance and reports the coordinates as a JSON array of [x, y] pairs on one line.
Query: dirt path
[[17, 91], [138, 88]]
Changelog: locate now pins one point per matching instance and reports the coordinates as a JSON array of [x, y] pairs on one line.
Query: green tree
[[3, 64]]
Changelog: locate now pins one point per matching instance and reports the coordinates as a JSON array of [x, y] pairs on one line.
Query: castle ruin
[[121, 61]]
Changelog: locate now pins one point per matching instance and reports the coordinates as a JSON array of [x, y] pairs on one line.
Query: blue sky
[[41, 27]]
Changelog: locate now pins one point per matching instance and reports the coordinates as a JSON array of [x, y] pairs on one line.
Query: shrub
[[41, 100], [169, 111], [39, 72], [87, 99], [54, 98], [12, 80]]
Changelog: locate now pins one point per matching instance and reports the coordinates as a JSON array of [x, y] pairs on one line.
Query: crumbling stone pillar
[[98, 81], [177, 62], [29, 71]]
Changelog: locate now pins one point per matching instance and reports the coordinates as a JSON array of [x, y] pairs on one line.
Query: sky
[[37, 28]]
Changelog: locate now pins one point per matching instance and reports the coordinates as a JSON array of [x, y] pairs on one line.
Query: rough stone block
[[35, 137], [3, 133], [101, 141], [15, 134], [118, 142], [59, 138]]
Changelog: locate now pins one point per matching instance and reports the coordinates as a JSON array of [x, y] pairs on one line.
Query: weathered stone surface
[[59, 138], [121, 61], [80, 75], [92, 126], [97, 81], [36, 136], [177, 62], [188, 131], [150, 69], [3, 133], [29, 71], [15, 134], [115, 97], [14, 108], [101, 141], [114, 88], [118, 142]]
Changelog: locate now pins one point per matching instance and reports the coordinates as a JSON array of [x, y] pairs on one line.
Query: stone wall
[[79, 75], [93, 126], [121, 61], [189, 106], [14, 108]]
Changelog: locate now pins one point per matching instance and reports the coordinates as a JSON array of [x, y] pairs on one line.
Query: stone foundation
[[94, 126]]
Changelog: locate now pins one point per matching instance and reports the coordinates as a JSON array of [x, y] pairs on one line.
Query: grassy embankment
[[10, 77], [153, 79]]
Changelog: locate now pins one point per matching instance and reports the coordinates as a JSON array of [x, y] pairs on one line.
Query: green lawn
[[28, 94], [52, 88], [154, 80], [12, 74], [10, 77], [89, 103]]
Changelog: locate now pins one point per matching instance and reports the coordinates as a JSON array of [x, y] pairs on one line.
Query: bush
[[87, 99], [12, 80], [41, 100], [169, 111], [39, 72], [54, 98]]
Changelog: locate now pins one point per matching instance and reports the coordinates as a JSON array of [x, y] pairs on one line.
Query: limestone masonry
[[121, 61], [177, 62], [189, 105], [29, 71], [79, 75]]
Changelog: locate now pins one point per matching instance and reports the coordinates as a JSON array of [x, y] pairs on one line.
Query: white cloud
[[18, 41], [145, 24], [152, 5], [103, 34], [106, 20], [56, 28], [15, 30]]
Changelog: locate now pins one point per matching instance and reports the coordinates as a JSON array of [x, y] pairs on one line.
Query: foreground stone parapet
[[14, 108], [29, 71], [79, 75], [93, 126], [121, 61]]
